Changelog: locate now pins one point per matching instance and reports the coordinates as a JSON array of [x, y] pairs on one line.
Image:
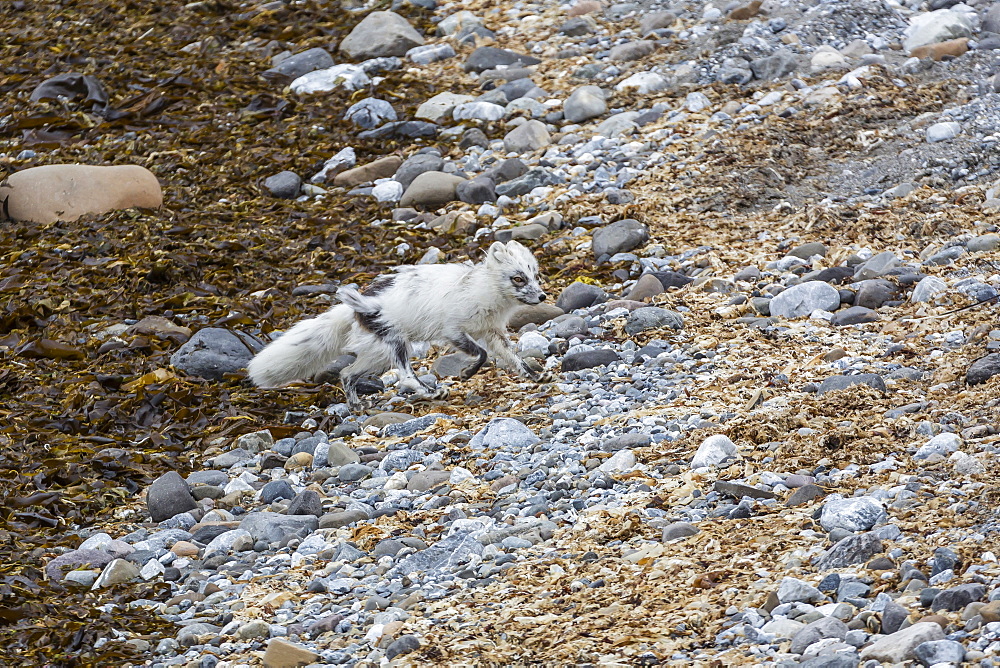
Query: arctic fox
[[466, 306]]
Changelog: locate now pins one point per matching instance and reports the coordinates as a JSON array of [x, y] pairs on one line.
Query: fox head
[[516, 271]]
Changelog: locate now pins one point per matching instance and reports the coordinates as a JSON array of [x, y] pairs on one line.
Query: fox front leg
[[502, 350]]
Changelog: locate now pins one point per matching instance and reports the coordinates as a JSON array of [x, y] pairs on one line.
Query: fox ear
[[497, 252]]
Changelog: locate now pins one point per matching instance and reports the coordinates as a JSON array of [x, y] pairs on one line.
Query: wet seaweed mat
[[84, 426]]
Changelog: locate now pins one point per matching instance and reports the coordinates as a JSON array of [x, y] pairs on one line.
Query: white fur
[[448, 303]]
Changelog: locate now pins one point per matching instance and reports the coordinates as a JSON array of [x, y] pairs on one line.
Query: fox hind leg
[[465, 344]]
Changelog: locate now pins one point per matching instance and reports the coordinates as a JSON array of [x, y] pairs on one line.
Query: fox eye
[[518, 281]]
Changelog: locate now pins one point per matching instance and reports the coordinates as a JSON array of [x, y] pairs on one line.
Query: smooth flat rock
[[51, 193], [843, 382], [284, 654], [439, 108], [382, 168], [431, 189], [538, 314], [490, 57], [588, 359]]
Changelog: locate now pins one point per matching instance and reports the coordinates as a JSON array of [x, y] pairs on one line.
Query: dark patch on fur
[[371, 322], [378, 286]]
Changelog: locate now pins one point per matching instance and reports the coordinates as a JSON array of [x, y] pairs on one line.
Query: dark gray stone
[[837, 660], [679, 530], [619, 237], [827, 627], [490, 57], [306, 502], [580, 295], [588, 359], [74, 559], [208, 477], [284, 185], [353, 472], [276, 489], [342, 519], [841, 382], [983, 369], [211, 353], [527, 182], [169, 495], [734, 71], [672, 279], [577, 27], [804, 494], [625, 441], [506, 170], [410, 129], [855, 315], [893, 616], [301, 63], [956, 598], [477, 191], [851, 550], [416, 165], [473, 137], [402, 645], [780, 63], [875, 292], [739, 490]]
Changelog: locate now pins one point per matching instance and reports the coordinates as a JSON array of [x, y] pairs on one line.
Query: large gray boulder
[[211, 353], [620, 237], [381, 34]]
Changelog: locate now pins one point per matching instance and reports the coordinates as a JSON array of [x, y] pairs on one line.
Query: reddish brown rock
[[744, 12], [377, 169], [939, 50], [66, 192]]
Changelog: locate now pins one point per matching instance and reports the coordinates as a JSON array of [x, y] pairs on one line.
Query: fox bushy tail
[[304, 350]]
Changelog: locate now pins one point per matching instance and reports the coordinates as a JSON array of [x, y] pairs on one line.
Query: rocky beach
[[770, 427]]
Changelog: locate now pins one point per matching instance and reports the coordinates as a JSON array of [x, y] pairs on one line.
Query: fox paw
[[439, 394], [544, 377]]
